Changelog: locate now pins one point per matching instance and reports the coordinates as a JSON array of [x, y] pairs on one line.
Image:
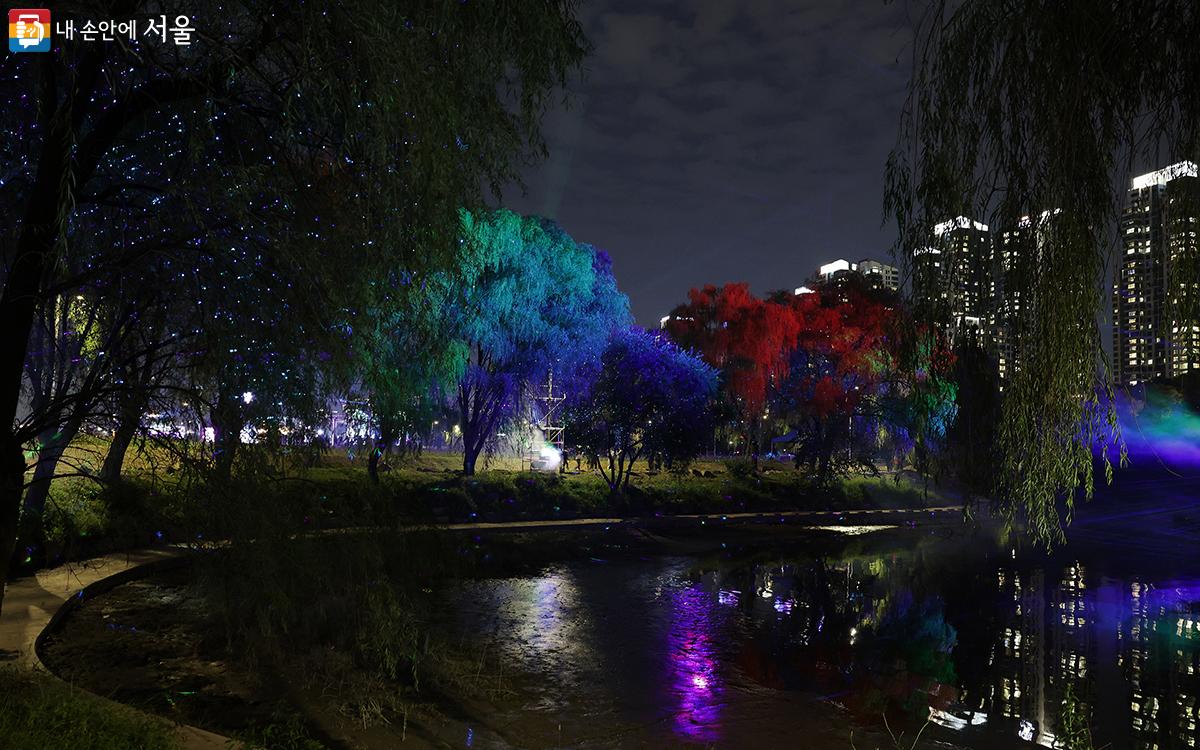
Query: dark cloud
[[717, 140]]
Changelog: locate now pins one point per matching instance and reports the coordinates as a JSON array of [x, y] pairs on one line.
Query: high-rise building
[[1004, 289], [877, 274], [1017, 253], [881, 275], [1156, 292], [1181, 272], [951, 277]]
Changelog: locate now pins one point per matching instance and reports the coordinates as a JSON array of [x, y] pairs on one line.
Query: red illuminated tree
[[747, 339], [842, 361]]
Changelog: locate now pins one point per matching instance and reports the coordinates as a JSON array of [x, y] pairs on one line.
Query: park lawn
[[81, 518], [39, 712], [432, 485]]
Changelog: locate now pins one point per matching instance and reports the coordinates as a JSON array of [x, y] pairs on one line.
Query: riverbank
[[505, 636], [154, 505], [517, 519], [42, 711], [150, 643]]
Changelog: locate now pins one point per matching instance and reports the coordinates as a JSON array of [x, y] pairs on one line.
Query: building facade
[[1181, 273], [1156, 291], [881, 275], [878, 275], [951, 278]]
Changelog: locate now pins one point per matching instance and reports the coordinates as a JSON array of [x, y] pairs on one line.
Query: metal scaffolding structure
[[546, 413]]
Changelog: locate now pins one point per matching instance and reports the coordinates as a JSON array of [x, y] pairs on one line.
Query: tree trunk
[[53, 447], [373, 464], [382, 444], [828, 445], [12, 479], [18, 303], [227, 433], [115, 458], [470, 455], [469, 424], [45, 214]]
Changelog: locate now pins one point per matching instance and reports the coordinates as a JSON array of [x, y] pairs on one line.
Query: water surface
[[799, 643]]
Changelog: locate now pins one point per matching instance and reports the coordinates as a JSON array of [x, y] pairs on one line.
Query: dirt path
[[31, 602]]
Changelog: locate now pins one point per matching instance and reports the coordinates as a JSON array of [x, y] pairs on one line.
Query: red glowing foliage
[[844, 349], [748, 339], [827, 349]]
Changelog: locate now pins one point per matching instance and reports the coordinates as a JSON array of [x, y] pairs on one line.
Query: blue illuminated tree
[[532, 302], [649, 398]]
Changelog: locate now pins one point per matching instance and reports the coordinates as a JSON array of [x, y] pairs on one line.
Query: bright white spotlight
[[549, 458]]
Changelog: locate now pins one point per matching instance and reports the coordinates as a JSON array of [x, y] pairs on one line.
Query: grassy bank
[[40, 713], [432, 486], [84, 519]]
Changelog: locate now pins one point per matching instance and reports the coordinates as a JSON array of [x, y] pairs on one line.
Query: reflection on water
[[993, 647], [1130, 647], [692, 663]]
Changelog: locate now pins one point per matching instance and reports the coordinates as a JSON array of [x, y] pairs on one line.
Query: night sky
[[716, 140]]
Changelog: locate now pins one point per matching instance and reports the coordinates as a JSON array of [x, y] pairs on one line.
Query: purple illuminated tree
[[649, 398]]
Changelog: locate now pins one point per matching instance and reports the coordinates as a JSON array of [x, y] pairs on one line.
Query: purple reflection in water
[[696, 686]]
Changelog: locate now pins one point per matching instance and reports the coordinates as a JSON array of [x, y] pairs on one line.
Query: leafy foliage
[[922, 401], [651, 398], [748, 339], [812, 361], [531, 303], [265, 185], [840, 367]]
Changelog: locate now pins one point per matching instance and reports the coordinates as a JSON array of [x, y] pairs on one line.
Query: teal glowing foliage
[[532, 300], [530, 303]]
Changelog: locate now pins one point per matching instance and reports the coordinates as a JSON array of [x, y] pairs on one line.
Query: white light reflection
[[852, 530], [1026, 730]]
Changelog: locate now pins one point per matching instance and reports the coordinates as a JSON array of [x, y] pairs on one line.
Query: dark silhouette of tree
[[970, 450], [414, 107]]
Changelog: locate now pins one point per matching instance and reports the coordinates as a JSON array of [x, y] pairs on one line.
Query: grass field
[[83, 518], [38, 712]]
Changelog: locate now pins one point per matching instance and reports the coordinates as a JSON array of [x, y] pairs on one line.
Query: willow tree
[[530, 303], [415, 109], [1037, 108]]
